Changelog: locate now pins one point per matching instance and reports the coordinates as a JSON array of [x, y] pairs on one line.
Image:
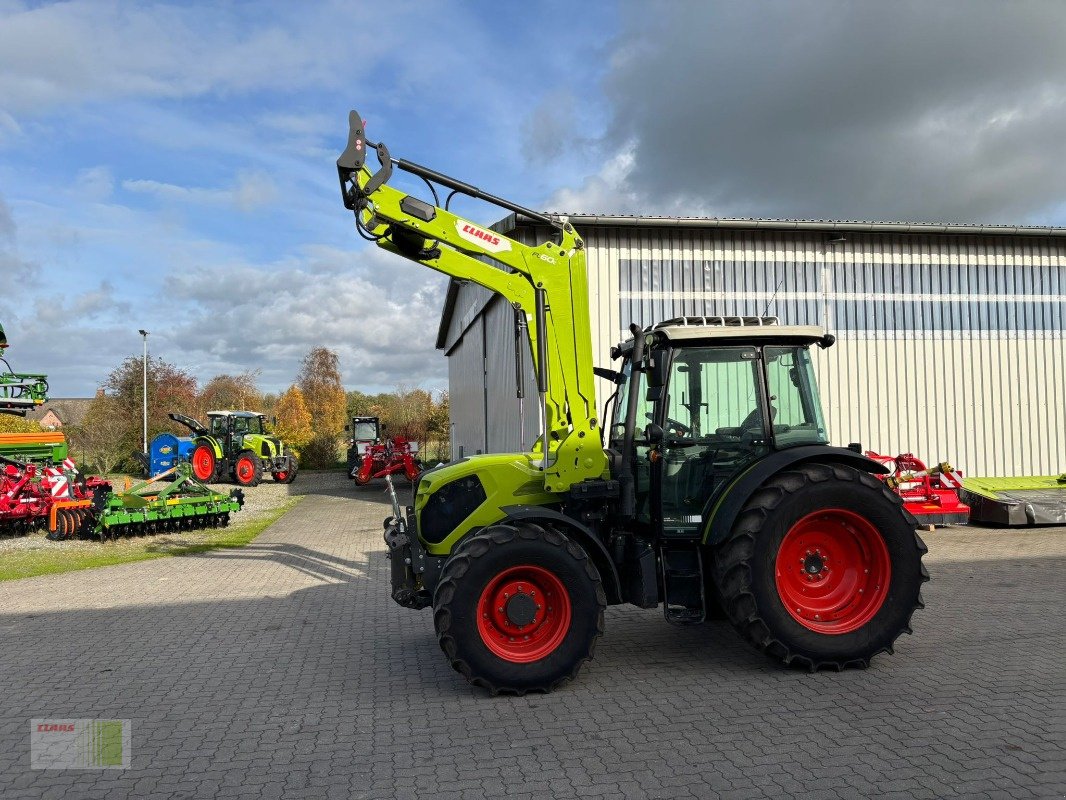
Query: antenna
[[773, 296]]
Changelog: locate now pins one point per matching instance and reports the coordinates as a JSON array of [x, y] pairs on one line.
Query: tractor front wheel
[[247, 470], [285, 475], [823, 568], [519, 608], [203, 463]]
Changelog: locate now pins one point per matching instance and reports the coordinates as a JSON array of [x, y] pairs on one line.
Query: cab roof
[[755, 329], [245, 414]]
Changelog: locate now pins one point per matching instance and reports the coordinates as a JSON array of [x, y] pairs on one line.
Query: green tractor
[[235, 445], [714, 493]]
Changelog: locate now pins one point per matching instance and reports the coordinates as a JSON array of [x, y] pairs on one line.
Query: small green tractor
[[235, 445]]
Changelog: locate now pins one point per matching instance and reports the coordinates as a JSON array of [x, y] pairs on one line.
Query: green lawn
[[68, 556]]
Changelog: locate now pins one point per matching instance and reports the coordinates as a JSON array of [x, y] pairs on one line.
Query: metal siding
[[505, 410], [920, 364], [466, 391], [950, 346]]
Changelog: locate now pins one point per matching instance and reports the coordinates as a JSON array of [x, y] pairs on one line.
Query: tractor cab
[[714, 396], [363, 434], [365, 430], [235, 425]]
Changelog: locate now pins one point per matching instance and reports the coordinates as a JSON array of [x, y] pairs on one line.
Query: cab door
[[715, 424]]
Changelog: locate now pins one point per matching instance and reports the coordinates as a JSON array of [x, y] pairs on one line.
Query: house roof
[[70, 410]]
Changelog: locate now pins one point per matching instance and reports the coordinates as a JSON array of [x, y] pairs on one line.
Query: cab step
[[681, 569]]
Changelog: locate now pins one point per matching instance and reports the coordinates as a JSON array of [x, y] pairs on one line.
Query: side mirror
[[653, 433], [657, 370], [274, 421], [347, 428]]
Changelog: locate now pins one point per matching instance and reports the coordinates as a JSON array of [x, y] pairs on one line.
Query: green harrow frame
[[183, 505]]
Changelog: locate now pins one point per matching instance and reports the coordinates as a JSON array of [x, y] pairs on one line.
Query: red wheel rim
[[281, 475], [245, 470], [523, 614], [203, 463], [833, 571]]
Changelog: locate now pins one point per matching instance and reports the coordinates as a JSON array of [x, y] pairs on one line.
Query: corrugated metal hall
[[949, 337]]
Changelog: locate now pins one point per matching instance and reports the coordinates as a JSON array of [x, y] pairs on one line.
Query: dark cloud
[[953, 110]]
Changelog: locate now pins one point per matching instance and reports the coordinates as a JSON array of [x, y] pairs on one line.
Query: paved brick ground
[[282, 670]]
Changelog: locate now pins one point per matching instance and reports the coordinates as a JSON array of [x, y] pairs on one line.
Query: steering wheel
[[679, 427], [673, 424]]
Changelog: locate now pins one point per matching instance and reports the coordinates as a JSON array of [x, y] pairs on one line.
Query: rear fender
[[726, 507], [212, 443], [580, 534]]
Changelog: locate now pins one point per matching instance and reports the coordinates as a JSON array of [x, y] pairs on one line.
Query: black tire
[[469, 571], [745, 566], [247, 469], [287, 475]]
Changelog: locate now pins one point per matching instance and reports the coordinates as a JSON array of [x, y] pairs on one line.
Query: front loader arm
[[436, 238]]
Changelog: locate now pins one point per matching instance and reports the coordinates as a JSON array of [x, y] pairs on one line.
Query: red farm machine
[[370, 456], [931, 494]]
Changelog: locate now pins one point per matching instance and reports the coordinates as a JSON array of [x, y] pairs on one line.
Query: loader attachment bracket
[[353, 159]]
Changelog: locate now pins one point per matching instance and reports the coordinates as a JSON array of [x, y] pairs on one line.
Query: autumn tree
[[320, 382], [293, 424], [237, 392], [169, 389], [98, 441], [12, 423], [439, 428]]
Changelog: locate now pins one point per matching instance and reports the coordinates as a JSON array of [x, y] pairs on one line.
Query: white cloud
[[251, 190], [95, 183], [378, 312], [72, 52]]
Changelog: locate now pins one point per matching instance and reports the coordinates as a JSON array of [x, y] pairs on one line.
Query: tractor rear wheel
[[203, 463], [247, 470], [823, 568], [519, 608]]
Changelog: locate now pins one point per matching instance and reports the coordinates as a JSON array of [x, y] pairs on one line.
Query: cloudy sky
[[171, 165]]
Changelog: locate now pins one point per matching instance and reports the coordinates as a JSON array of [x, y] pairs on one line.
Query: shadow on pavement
[[303, 559], [337, 484]]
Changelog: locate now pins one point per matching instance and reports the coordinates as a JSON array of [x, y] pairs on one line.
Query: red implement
[[398, 454], [31, 497], [931, 494]]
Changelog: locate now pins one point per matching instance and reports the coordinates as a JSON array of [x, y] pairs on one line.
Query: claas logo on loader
[[479, 236]]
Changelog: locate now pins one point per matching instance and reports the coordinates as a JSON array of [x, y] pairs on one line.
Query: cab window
[[795, 406]]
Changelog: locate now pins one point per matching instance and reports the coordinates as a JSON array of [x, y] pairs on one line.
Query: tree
[[410, 413], [169, 389], [12, 423], [237, 392], [293, 424], [439, 428], [98, 440], [320, 382]]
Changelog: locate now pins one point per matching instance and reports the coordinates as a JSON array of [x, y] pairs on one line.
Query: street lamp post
[[144, 337]]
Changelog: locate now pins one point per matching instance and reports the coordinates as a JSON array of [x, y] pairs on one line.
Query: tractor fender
[[211, 442], [583, 536], [725, 508]]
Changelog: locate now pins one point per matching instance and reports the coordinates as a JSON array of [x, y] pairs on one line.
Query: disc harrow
[[184, 504]]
